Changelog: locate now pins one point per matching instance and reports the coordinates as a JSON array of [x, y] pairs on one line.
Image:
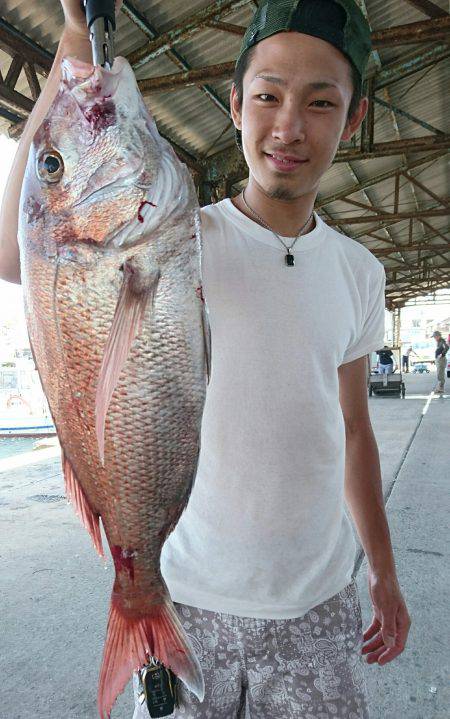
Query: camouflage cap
[[339, 22]]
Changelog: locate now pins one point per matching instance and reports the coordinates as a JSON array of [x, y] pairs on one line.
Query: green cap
[[339, 22]]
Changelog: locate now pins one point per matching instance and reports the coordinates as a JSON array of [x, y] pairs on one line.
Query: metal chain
[[273, 231]]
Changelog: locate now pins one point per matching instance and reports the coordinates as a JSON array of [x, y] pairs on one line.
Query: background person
[[440, 360], [385, 360], [406, 359]]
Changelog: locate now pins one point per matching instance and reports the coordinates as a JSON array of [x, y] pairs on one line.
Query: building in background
[[419, 319]]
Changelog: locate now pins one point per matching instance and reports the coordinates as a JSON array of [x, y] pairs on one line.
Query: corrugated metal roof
[[192, 120]]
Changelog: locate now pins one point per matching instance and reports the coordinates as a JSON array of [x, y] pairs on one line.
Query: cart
[[389, 384]]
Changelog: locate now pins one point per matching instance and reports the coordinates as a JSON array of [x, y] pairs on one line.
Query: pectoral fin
[[135, 295]]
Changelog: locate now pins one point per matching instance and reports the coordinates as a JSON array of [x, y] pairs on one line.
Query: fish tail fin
[[131, 641]]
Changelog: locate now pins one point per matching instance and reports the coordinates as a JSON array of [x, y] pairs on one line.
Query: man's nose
[[289, 126]]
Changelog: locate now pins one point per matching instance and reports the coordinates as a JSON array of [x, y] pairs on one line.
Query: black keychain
[[159, 688]]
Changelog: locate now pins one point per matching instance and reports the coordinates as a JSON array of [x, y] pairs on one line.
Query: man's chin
[[281, 192]]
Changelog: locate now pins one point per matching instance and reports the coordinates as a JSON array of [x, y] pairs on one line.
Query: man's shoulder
[[211, 212], [355, 251], [212, 219]]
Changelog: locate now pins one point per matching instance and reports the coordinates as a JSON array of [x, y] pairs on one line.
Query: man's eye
[[265, 97], [323, 103]]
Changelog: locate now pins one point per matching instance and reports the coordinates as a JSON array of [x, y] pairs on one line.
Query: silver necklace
[[289, 257]]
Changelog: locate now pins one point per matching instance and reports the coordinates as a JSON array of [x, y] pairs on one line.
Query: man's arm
[[364, 497], [74, 42]]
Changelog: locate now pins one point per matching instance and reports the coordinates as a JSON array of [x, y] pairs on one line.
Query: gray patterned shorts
[[304, 668]]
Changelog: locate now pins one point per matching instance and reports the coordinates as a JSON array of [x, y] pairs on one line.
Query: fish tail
[[131, 641]]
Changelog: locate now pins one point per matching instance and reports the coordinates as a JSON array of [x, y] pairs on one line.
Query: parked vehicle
[[387, 384], [421, 367]]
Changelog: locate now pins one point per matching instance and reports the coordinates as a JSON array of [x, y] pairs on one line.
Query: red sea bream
[[110, 256]]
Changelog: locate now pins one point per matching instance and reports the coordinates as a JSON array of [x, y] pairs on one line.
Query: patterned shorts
[[304, 668]]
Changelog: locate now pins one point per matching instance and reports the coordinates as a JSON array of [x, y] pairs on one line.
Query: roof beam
[[14, 101], [417, 32], [371, 113], [408, 281], [14, 42], [427, 272], [396, 147], [174, 81], [400, 267], [14, 71], [225, 70], [321, 201], [418, 292], [183, 30], [418, 247], [365, 219], [425, 189], [411, 63], [227, 27], [143, 24], [414, 32], [428, 8], [231, 162], [408, 116]]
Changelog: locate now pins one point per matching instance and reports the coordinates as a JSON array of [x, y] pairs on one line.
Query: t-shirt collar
[[261, 234]]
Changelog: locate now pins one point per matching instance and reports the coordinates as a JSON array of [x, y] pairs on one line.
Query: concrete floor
[[55, 591]]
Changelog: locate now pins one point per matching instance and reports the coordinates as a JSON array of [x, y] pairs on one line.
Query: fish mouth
[[78, 71]]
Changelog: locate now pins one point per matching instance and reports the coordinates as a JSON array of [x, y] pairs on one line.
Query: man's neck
[[285, 216]]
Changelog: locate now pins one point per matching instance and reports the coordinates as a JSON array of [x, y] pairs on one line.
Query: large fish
[[110, 255]]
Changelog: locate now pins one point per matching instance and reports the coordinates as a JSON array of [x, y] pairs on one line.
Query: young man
[[385, 360], [260, 564], [440, 361]]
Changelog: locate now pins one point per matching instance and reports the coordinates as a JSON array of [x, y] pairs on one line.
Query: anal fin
[[78, 499]]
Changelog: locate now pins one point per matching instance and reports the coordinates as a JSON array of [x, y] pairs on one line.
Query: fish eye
[[50, 166]]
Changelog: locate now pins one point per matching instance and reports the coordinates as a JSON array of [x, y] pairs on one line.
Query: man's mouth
[[288, 162]]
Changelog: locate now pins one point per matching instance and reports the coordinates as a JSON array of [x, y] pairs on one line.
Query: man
[[440, 361], [260, 564], [385, 360], [406, 358]]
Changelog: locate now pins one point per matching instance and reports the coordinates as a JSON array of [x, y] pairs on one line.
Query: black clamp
[[101, 21]]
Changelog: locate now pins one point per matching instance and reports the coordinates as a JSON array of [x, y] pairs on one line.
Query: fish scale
[[110, 254]]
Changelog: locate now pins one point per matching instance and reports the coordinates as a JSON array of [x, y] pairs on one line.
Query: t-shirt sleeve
[[371, 337]]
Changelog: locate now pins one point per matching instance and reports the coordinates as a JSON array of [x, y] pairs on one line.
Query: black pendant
[[289, 259]]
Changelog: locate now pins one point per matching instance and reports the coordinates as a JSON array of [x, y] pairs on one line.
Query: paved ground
[[55, 591]]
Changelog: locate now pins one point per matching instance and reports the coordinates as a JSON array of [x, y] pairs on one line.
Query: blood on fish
[[123, 560], [34, 209], [145, 202], [101, 115], [199, 293]]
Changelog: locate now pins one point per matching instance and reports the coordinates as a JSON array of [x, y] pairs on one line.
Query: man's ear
[[354, 122], [235, 108]]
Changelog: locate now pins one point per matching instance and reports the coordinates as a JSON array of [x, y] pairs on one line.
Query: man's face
[[297, 90]]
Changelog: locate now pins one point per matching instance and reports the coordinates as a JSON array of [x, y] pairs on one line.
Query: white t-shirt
[[265, 533]]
